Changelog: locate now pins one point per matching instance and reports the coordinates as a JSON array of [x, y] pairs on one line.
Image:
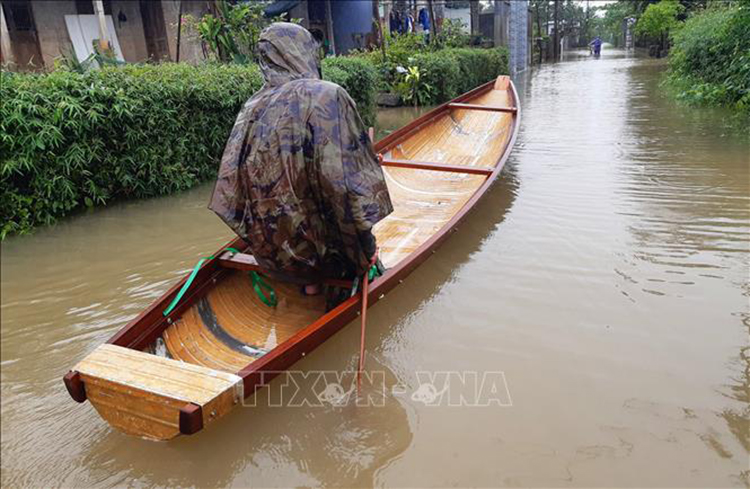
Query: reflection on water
[[605, 274]]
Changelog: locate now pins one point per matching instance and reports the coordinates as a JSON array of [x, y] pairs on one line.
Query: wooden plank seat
[[490, 108], [247, 262], [164, 397], [239, 261], [421, 165]]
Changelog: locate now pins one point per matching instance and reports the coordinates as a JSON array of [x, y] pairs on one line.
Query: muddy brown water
[[605, 276]]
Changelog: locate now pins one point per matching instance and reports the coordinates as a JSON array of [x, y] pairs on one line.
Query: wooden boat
[[223, 342]]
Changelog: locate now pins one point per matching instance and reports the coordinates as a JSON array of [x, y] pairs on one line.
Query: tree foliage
[[231, 33], [660, 19], [710, 57]]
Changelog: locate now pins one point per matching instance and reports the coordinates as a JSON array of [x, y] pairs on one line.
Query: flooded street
[[606, 275]]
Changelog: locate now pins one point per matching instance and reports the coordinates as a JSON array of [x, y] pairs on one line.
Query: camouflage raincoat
[[299, 180]]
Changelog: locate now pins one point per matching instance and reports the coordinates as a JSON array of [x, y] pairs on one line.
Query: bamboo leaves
[[75, 140]]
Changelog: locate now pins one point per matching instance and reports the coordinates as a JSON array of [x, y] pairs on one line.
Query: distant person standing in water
[[596, 45]]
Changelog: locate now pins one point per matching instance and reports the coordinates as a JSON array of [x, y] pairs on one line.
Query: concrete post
[[5, 48], [498, 19]]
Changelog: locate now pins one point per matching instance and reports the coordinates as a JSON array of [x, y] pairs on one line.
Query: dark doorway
[[23, 37], [154, 30], [86, 7]]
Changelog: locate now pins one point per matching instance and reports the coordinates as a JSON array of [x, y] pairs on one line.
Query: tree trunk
[[433, 24], [556, 47], [376, 11], [474, 9]]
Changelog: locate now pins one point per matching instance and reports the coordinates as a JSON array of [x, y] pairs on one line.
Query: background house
[[38, 31], [342, 25]]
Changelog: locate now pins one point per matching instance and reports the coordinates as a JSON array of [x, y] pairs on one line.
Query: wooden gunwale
[[150, 323]]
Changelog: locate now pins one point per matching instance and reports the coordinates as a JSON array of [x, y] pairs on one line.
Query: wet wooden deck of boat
[[425, 200], [231, 327]]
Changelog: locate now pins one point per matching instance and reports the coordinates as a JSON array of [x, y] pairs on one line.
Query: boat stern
[[150, 396]]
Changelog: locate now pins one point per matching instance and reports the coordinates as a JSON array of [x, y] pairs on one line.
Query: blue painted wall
[[352, 20]]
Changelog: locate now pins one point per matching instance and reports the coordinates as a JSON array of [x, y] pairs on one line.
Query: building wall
[[502, 22], [190, 46], [49, 16], [129, 31], [487, 25], [462, 14], [54, 40]]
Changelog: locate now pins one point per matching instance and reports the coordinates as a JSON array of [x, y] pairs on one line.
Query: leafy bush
[[477, 66], [710, 57], [401, 47], [407, 50], [452, 34], [358, 77], [452, 72], [412, 89], [70, 140]]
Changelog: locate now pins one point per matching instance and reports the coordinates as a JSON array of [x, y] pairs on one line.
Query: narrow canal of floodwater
[[605, 275]]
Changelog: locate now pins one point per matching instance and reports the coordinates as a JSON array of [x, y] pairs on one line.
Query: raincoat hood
[[299, 180], [287, 52]]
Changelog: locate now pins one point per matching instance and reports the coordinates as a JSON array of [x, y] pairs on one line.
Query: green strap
[[186, 286], [259, 284], [189, 281], [373, 272]]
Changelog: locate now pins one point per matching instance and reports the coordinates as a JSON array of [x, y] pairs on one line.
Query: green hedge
[[359, 78], [70, 140], [450, 72], [710, 57], [455, 71]]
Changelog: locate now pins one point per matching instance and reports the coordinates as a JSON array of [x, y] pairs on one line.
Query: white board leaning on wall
[[84, 29]]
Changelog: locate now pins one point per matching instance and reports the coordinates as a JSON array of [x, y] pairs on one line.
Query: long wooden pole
[[179, 32], [363, 315], [329, 27], [103, 34]]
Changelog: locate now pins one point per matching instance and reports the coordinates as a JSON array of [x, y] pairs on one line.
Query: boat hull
[[437, 167]]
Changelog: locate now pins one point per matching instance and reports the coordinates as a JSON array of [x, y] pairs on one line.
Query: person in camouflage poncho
[[299, 180]]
